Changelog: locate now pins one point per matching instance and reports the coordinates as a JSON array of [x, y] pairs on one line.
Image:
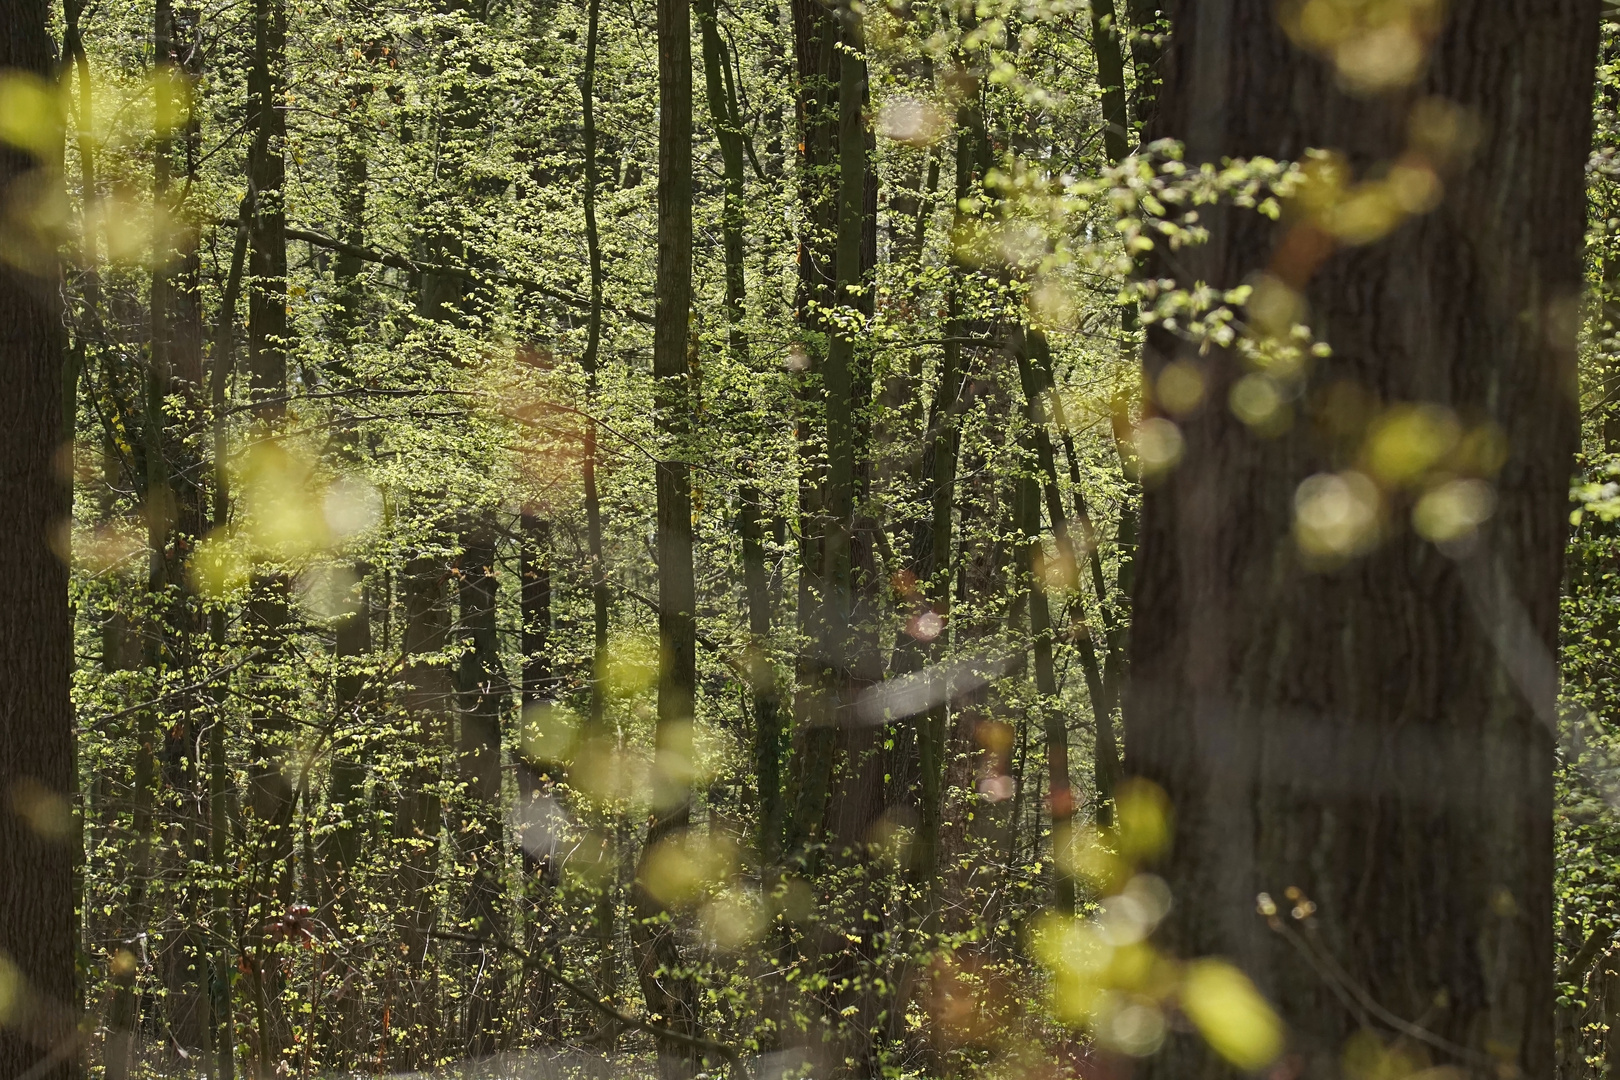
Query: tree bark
[[1373, 728], [38, 908]]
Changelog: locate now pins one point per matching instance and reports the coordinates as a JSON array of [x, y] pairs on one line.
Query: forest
[[787, 539]]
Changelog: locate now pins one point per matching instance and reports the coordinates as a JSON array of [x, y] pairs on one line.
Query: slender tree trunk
[[1105, 43], [270, 790], [762, 673], [1147, 28], [267, 176], [934, 541], [538, 684], [1034, 368], [219, 779], [670, 995], [1366, 716], [418, 813], [818, 73], [1053, 719], [484, 694], [38, 909], [598, 737], [728, 132]]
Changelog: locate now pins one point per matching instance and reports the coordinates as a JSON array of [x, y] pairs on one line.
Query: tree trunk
[[932, 542], [484, 695], [670, 994], [817, 70], [418, 812], [222, 923], [1359, 713], [271, 798], [38, 908], [267, 176], [762, 673]]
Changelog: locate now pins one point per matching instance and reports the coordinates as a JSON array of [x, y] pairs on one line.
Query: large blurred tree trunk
[[37, 905], [1375, 733]]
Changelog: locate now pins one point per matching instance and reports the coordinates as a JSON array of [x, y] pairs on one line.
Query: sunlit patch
[[632, 664], [108, 547], [1144, 821], [1180, 388], [327, 590], [50, 815], [1453, 510], [219, 568], [1376, 45], [30, 113], [736, 918], [351, 506], [13, 991], [679, 870], [1337, 515], [1230, 1014], [912, 121], [1053, 304], [550, 732], [1158, 445], [926, 625], [1257, 400], [1408, 441]]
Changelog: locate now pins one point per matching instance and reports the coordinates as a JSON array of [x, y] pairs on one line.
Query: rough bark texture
[[1376, 735], [37, 916]]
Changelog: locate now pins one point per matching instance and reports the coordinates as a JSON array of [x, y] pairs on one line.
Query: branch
[[1579, 964], [416, 266], [206, 681], [694, 1042]]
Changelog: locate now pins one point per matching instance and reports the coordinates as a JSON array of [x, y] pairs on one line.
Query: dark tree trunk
[[484, 695], [1373, 728], [267, 176], [538, 689], [762, 675], [669, 993], [38, 909]]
